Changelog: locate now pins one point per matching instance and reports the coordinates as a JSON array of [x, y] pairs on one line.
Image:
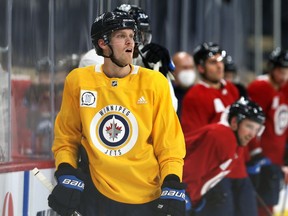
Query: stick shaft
[[45, 182]]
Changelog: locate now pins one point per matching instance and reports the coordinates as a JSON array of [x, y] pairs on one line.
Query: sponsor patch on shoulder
[[88, 98]]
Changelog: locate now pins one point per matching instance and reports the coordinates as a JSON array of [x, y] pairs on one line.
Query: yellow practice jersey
[[128, 127]]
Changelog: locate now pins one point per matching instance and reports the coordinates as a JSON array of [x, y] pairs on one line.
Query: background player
[[184, 74], [211, 154], [206, 102], [230, 75], [269, 92]]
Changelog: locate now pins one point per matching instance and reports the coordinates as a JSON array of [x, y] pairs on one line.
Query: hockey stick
[[262, 203], [45, 182], [284, 200]]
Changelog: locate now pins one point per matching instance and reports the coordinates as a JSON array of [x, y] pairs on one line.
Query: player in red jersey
[[269, 92], [204, 103], [211, 153]]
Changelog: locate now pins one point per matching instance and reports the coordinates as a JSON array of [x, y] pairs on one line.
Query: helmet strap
[[237, 137], [238, 121], [113, 59]]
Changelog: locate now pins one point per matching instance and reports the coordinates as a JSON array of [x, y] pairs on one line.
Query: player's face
[[214, 68], [122, 42], [229, 76], [247, 130], [280, 75]]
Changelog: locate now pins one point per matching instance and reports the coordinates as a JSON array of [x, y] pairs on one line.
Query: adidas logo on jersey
[[141, 100]]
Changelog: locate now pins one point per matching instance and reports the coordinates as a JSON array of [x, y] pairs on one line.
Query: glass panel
[[4, 83], [31, 79], [47, 41], [48, 38]]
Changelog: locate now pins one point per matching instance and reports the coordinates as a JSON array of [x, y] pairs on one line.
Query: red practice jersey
[[203, 104], [211, 154], [275, 106]]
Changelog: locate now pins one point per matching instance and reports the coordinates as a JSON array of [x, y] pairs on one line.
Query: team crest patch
[[281, 119], [114, 130], [88, 98]]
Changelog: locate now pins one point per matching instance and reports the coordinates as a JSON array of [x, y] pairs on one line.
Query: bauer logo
[[168, 193], [8, 205], [114, 130], [88, 98], [71, 182]]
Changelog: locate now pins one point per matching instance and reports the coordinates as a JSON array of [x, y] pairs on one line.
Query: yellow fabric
[[128, 127]]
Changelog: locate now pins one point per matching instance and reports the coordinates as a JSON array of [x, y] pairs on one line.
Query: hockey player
[[268, 91], [211, 154], [230, 74], [122, 115], [206, 101], [184, 74], [146, 54]]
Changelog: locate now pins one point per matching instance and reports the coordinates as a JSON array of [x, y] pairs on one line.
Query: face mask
[[187, 77]]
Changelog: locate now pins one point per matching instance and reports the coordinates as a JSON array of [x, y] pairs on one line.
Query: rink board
[[22, 194]]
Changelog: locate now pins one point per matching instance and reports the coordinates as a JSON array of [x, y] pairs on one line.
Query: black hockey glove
[[256, 162], [172, 199], [156, 53], [66, 196], [254, 167]]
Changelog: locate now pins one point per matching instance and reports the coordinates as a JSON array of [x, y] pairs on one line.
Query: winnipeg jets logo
[[114, 130]]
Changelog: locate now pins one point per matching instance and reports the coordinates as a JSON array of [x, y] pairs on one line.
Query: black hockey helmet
[[279, 58], [107, 23], [246, 109], [141, 19], [229, 64], [205, 51]]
